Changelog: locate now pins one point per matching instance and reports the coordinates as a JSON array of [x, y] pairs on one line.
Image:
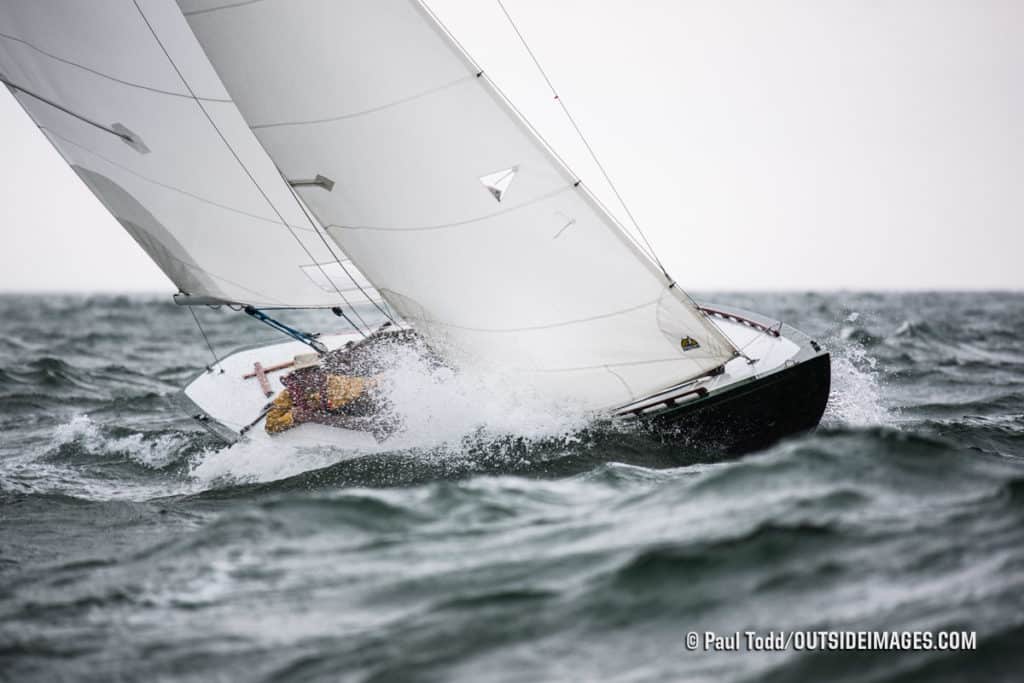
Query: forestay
[[458, 213], [170, 156]]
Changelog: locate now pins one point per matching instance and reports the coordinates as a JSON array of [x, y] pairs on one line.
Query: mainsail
[[460, 215], [422, 173], [148, 126]]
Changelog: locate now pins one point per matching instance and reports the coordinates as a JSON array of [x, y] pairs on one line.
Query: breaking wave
[[857, 392]]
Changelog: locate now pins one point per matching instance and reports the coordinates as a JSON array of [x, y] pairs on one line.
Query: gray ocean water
[[134, 547]]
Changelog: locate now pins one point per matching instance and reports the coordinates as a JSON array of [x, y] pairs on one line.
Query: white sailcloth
[[193, 186], [450, 205]]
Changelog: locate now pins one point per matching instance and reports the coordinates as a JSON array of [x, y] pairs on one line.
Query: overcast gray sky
[[779, 144]]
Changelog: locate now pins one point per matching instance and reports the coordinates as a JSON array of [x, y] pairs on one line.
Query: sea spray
[[437, 406], [856, 398], [434, 411]]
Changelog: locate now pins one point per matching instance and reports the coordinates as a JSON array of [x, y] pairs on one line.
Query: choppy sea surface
[[505, 543]]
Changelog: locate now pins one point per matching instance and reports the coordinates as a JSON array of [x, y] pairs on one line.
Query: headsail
[[465, 221], [170, 156]]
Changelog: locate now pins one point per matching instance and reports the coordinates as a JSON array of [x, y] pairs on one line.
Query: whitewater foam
[[67, 459], [857, 386], [443, 414], [155, 453], [435, 411]]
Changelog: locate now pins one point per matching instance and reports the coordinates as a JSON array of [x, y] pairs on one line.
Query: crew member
[[312, 394], [337, 389]]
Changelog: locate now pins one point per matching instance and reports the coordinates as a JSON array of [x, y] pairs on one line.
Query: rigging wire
[[252, 178], [313, 223], [341, 314], [593, 155], [583, 138], [525, 122], [685, 298], [209, 345]]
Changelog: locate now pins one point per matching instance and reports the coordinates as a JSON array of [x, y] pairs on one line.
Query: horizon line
[[730, 290]]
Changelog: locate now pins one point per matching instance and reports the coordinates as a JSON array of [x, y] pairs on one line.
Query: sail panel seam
[[611, 184], [456, 224], [609, 219], [605, 366], [354, 288], [583, 138], [371, 110], [60, 152], [232, 5], [49, 131], [548, 326], [101, 74], [204, 271], [306, 212], [629, 364]]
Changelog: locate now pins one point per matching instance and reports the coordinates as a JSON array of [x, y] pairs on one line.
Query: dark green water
[[133, 548]]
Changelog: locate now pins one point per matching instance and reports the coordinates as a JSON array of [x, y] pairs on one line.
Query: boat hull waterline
[[753, 415]]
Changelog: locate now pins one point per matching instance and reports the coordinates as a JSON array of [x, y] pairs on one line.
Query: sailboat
[[348, 156]]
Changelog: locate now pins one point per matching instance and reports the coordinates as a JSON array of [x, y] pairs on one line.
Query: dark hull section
[[752, 415]]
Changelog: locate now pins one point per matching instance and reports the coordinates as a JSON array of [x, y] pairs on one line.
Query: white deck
[[226, 397]]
